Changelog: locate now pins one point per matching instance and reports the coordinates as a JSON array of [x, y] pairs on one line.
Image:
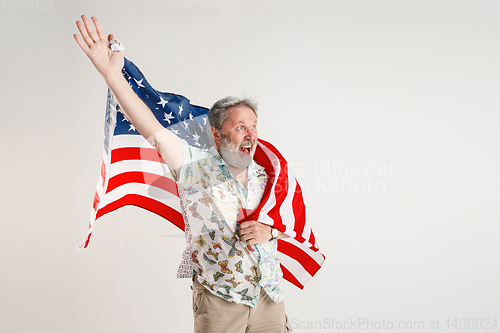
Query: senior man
[[237, 280]]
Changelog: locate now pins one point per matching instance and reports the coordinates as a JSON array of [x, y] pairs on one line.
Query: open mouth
[[245, 149]]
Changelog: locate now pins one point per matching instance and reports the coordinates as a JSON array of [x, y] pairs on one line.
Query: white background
[[403, 94]]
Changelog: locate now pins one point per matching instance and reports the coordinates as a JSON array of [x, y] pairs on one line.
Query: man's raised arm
[[109, 63]]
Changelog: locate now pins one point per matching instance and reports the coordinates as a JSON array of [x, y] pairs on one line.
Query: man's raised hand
[[95, 44]]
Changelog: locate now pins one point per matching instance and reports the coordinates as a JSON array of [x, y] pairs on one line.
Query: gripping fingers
[[249, 232]]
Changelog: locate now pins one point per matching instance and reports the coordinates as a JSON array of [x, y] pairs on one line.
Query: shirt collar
[[215, 154]]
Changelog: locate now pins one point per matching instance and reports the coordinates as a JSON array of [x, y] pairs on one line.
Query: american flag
[[133, 173]]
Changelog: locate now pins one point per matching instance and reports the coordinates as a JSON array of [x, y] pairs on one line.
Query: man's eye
[[239, 127]]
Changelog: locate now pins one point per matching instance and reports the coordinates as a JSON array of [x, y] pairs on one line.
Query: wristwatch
[[274, 233]]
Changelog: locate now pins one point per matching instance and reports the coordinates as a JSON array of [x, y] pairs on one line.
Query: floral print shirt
[[212, 201]]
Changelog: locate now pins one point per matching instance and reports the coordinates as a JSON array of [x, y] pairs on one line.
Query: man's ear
[[216, 134]]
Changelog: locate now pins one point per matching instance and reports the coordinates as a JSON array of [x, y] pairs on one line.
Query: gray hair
[[217, 114]]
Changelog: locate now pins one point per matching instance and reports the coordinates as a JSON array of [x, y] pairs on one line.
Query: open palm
[[95, 44]]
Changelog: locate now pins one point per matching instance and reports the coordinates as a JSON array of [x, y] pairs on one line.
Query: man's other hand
[[254, 232]]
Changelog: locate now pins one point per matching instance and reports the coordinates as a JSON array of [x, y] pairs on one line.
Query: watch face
[[275, 233]]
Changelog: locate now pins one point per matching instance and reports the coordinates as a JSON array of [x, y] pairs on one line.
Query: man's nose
[[251, 134]]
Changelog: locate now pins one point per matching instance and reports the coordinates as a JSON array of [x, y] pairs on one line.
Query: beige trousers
[[213, 314]]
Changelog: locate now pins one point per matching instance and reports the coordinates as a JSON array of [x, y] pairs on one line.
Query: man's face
[[239, 137]]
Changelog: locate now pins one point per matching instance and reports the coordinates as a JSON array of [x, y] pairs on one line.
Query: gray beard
[[234, 158]]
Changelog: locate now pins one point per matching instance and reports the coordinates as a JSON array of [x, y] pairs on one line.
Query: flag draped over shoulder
[[133, 173]]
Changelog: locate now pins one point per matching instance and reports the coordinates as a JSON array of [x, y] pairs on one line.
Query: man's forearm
[[132, 106], [168, 144]]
